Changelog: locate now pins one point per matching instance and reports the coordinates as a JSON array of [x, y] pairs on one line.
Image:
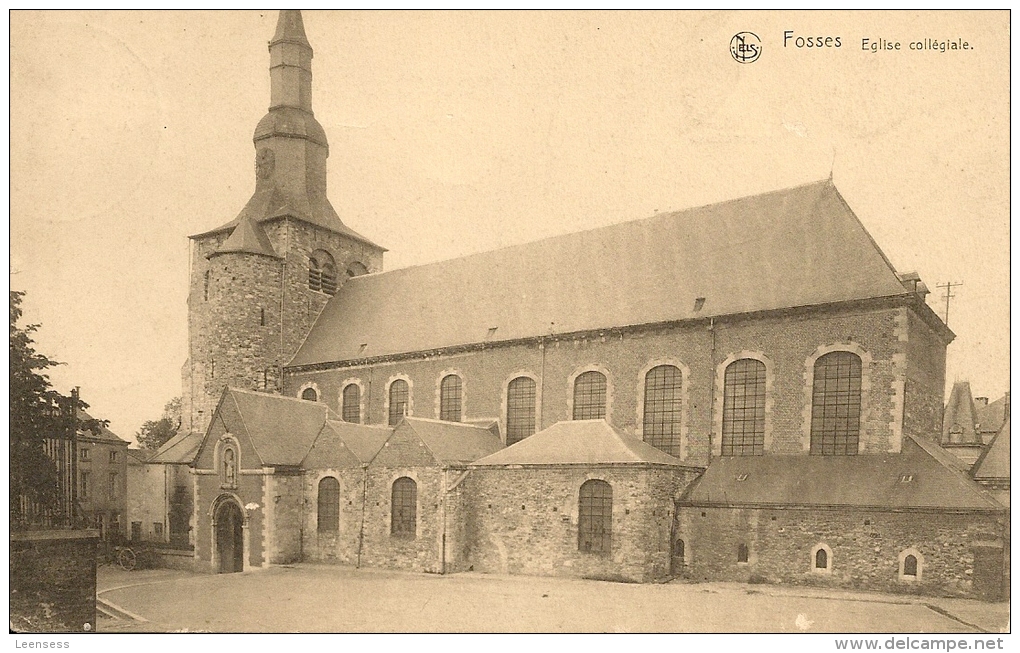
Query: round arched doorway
[[229, 537]]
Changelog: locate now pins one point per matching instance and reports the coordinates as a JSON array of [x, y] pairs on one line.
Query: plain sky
[[453, 133]]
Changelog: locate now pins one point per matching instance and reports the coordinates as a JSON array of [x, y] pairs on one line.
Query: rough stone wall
[[285, 500], [865, 547], [250, 489], [787, 341], [53, 581], [381, 549], [334, 546], [147, 500], [926, 380], [525, 521]]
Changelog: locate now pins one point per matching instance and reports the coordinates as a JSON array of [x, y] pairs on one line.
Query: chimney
[[982, 402], [912, 282]]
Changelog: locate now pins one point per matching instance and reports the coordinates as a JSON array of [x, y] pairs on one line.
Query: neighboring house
[[169, 469], [146, 504], [991, 416], [102, 479], [992, 469], [959, 425]]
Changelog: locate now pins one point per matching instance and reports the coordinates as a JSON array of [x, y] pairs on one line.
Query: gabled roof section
[[993, 465], [991, 417], [282, 429], [182, 449], [452, 443], [579, 442], [248, 238], [101, 433], [797, 247], [960, 417], [921, 476], [342, 444]]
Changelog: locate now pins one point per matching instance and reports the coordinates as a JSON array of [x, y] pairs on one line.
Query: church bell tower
[[259, 281]]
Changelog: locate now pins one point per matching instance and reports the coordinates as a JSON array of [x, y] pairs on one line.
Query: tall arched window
[[595, 518], [309, 394], [404, 508], [399, 394], [743, 419], [663, 404], [450, 394], [821, 559], [590, 396], [322, 272], [836, 404], [351, 409], [910, 565], [520, 409], [329, 505]]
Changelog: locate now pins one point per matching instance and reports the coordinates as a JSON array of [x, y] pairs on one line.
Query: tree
[[153, 434]]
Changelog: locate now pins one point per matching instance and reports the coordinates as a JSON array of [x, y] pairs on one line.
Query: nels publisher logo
[[745, 47]]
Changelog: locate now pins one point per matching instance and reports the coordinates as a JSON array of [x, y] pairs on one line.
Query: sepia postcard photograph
[[494, 322]]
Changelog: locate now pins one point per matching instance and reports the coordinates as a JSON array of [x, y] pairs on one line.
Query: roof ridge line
[[251, 440], [960, 475], [420, 439]]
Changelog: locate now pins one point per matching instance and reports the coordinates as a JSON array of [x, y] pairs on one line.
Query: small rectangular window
[[84, 485], [84, 454], [113, 485], [113, 456], [157, 529], [136, 530]]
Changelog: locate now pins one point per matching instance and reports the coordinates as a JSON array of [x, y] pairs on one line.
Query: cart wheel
[[127, 559]]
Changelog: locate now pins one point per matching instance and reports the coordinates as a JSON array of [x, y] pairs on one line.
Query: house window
[[743, 420], [113, 485], [351, 410], [520, 409], [113, 456], [450, 393], [322, 272], [329, 505], [821, 559], [836, 404], [136, 530], [114, 524], [590, 396], [157, 529], [663, 404], [229, 467], [743, 553], [84, 485], [404, 506], [85, 454], [309, 394], [595, 518], [399, 394]]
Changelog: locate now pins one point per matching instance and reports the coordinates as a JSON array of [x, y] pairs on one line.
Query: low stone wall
[[174, 559], [53, 581]]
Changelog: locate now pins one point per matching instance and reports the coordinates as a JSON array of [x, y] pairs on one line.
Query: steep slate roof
[[180, 449], [281, 429], [452, 443], [342, 441], [993, 465], [249, 238], [991, 417], [578, 442], [104, 434], [960, 417], [872, 481], [797, 247]]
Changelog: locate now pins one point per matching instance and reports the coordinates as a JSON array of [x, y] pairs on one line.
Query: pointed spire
[[290, 64], [958, 422], [290, 28]]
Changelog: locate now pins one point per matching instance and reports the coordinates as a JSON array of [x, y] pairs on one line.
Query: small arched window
[[590, 396], [329, 505], [450, 395], [678, 552], [743, 553], [595, 518], [911, 565], [309, 394], [356, 269], [743, 419], [821, 559], [663, 403], [520, 409], [836, 404], [404, 508], [399, 395], [322, 272], [351, 409]]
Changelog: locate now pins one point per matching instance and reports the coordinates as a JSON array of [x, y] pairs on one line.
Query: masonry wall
[[334, 546], [147, 501], [250, 489], [53, 581], [525, 521], [926, 380], [284, 506], [380, 548], [865, 547], [105, 505], [788, 342]]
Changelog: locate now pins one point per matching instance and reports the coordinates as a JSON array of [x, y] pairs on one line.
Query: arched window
[[399, 394], [911, 565], [836, 404], [678, 552], [743, 419], [520, 409], [743, 553], [229, 467], [309, 394], [590, 396], [663, 404], [351, 409], [595, 518], [821, 559], [404, 508], [450, 394], [322, 272], [329, 505], [356, 269]]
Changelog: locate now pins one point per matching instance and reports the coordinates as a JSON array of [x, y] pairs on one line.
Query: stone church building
[[741, 391]]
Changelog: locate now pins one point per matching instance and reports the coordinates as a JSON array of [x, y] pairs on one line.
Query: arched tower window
[[663, 404], [322, 272], [329, 505], [520, 409], [743, 419], [309, 394], [356, 269], [399, 395], [836, 404], [351, 409], [590, 396], [404, 508], [450, 394], [595, 518]]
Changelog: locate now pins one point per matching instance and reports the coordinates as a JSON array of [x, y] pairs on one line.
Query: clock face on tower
[[265, 161]]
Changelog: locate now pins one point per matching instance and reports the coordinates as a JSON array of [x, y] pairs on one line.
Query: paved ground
[[325, 598]]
